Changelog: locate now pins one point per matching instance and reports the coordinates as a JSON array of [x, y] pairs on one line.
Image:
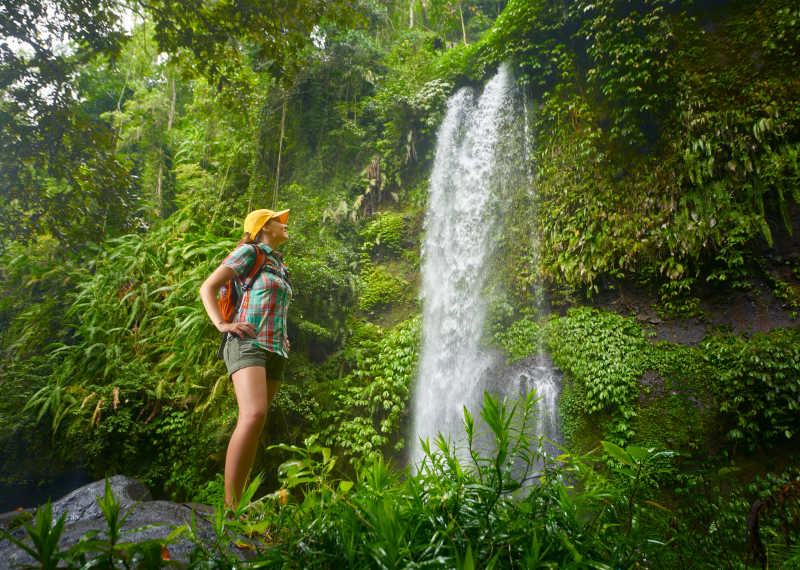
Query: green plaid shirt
[[268, 300]]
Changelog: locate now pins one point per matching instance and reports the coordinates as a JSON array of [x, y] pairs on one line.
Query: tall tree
[[273, 35], [57, 169], [144, 121]]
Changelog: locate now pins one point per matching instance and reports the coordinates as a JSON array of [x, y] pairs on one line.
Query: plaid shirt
[[269, 297]]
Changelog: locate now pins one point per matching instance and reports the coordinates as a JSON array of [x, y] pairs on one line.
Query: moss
[[380, 287], [396, 313], [617, 385], [385, 234], [677, 408], [674, 420], [580, 431], [20, 520]]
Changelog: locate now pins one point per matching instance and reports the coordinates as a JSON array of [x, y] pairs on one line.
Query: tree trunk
[[411, 14], [221, 189], [463, 28], [170, 121], [171, 116], [160, 202], [280, 150]]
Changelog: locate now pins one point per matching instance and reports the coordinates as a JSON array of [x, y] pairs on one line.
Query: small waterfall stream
[[478, 152]]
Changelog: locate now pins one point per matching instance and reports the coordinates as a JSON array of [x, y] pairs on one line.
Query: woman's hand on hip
[[239, 329]]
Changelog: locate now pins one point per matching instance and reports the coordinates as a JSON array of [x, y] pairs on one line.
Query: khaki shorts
[[240, 354]]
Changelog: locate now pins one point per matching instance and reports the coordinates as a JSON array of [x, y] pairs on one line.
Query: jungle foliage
[[667, 141], [621, 386], [665, 152], [103, 334], [584, 511]]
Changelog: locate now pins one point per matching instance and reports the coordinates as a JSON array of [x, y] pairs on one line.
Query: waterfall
[[481, 151]]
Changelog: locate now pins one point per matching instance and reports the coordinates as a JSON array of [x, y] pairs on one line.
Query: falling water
[[481, 152]]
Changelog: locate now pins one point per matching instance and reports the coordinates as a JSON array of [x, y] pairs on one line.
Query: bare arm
[[208, 294]]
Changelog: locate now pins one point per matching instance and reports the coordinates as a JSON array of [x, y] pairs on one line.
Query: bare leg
[[253, 395]]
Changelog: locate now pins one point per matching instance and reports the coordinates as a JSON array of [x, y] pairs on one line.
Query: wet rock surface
[[81, 504], [150, 519], [752, 311]]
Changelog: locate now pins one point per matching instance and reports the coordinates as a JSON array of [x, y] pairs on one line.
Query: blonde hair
[[247, 239]]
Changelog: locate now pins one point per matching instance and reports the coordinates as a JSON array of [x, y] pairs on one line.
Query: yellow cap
[[256, 219]]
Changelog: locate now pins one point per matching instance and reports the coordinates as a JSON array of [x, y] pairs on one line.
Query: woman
[[257, 347]]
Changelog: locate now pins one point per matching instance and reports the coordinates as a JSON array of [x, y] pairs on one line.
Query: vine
[[370, 403]]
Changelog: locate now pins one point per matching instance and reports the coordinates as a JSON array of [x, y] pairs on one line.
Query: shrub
[[370, 404], [379, 287], [385, 232], [758, 384]]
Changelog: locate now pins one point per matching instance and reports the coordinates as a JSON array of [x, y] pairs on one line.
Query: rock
[[81, 504], [718, 309], [13, 518], [146, 519]]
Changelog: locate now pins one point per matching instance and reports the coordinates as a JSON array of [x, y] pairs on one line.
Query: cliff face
[[659, 225]]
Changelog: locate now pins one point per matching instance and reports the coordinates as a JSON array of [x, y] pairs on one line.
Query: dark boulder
[[83, 515]]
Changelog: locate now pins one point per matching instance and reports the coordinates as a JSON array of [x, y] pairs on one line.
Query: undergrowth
[[739, 390], [505, 505]]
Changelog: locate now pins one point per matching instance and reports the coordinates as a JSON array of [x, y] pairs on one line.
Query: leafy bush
[[715, 513], [605, 353], [758, 384], [368, 406], [385, 232], [520, 339], [379, 287], [484, 511]]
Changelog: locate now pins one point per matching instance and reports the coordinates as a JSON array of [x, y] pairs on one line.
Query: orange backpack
[[229, 297]]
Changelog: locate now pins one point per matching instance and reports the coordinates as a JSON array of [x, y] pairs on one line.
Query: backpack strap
[[247, 284], [282, 272], [261, 258]]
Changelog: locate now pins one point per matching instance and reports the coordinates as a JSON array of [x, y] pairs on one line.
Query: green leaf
[[617, 453]]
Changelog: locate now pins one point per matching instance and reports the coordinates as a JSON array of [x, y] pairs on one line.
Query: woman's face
[[275, 232]]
